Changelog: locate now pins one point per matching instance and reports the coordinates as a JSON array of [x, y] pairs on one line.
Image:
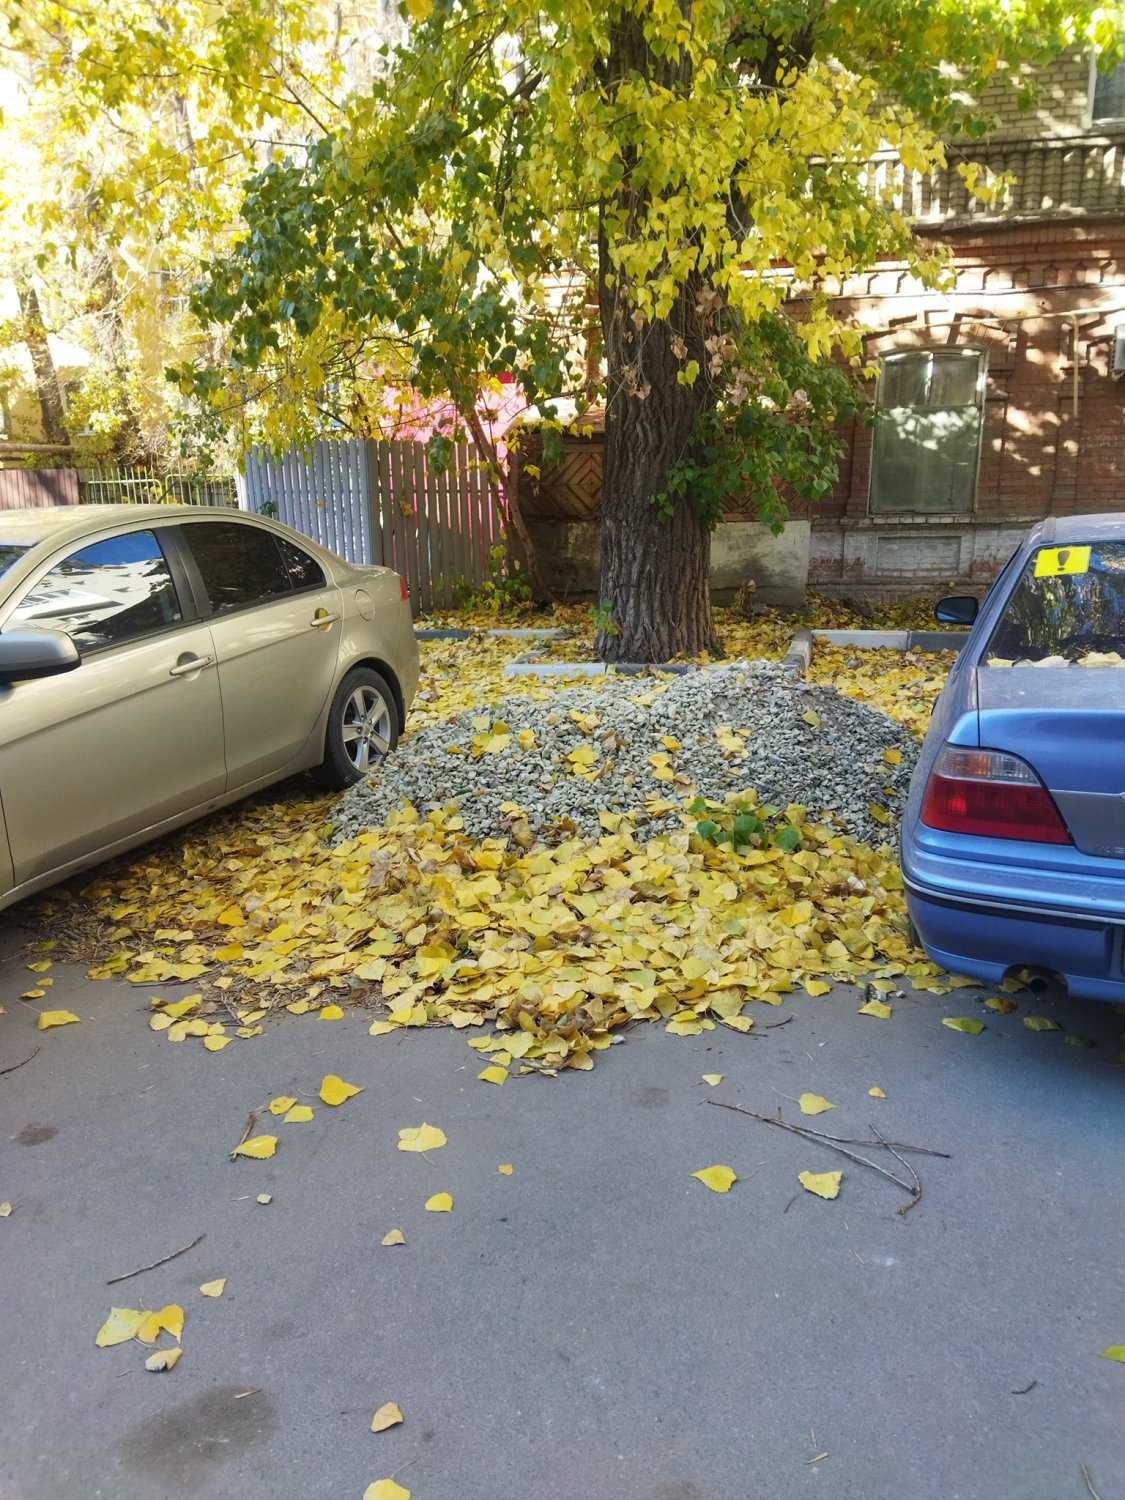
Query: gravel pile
[[741, 726]]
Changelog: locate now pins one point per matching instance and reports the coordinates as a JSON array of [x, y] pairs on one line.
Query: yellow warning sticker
[[1054, 562]]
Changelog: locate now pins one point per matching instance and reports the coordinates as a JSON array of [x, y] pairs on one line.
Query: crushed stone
[[560, 762]]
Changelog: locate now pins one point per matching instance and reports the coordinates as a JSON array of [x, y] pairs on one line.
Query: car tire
[[362, 729]]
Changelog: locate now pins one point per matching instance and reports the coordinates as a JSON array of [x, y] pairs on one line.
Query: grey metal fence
[[131, 486], [383, 503]]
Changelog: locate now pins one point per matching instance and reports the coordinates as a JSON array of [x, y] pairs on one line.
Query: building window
[[1107, 96], [927, 432]]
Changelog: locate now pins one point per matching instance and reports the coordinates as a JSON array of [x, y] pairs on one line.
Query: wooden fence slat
[[394, 501], [440, 534], [359, 469], [418, 485], [464, 567]]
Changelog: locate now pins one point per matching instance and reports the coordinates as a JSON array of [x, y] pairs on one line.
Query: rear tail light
[[403, 588], [992, 794]]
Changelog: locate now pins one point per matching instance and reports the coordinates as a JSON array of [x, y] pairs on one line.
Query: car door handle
[[322, 617], [192, 664]]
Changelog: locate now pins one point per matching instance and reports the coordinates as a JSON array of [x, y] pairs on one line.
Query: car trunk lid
[[1069, 724]]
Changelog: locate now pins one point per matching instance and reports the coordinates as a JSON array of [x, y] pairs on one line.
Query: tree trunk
[[46, 377], [655, 574]]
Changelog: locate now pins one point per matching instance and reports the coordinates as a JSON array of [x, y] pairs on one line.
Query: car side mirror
[[957, 609], [36, 653]]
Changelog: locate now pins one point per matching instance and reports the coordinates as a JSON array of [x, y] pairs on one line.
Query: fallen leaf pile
[[555, 945], [904, 684]]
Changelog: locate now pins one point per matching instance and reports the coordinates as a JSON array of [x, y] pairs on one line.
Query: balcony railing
[[1058, 176]]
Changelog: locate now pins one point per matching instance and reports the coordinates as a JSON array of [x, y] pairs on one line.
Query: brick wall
[[1052, 444], [1062, 107]]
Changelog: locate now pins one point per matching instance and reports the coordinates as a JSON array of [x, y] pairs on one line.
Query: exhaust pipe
[[1039, 980]]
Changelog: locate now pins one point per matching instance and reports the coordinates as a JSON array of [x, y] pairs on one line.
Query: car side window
[[305, 571], [239, 565], [105, 594]]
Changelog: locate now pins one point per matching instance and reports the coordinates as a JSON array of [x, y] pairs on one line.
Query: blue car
[[1013, 837]]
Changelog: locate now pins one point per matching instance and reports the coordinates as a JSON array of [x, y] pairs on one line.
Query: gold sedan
[[159, 661]]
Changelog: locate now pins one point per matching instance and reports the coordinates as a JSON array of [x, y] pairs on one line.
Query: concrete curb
[[597, 668], [799, 655], [453, 634], [894, 640]]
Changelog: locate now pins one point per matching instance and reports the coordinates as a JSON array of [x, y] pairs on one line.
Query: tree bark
[[655, 574], [46, 377]]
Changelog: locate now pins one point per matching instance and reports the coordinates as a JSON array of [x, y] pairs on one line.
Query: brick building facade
[[997, 402]]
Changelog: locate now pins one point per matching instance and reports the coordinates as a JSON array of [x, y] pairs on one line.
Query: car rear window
[[240, 565], [1068, 608]]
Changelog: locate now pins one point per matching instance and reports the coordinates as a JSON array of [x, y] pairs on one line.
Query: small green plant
[[745, 825], [602, 616], [502, 592]]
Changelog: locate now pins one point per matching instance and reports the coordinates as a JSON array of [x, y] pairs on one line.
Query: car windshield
[[9, 554], [1068, 608]]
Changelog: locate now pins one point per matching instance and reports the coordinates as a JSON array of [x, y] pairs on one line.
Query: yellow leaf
[[505, 1168], [714, 1079], [265, 1198], [387, 1489], [214, 1288], [893, 757], [381, 1028], [334, 1090], [494, 1075], [259, 1147], [196, 1026], [387, 1416], [121, 1326], [876, 1008], [163, 1359], [812, 718], [968, 1024], [216, 1043], [823, 1184], [6, 1207], [1001, 1005], [817, 987], [50, 1018], [1033, 1023], [718, 1179], [876, 1093], [231, 917], [34, 995], [393, 1237], [331, 1013], [298, 1115], [170, 1318], [1116, 1352], [159, 1022], [421, 1138], [179, 1008], [41, 966], [813, 1104], [298, 1007], [282, 1104], [439, 1203]]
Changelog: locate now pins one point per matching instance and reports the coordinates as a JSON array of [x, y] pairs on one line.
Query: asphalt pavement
[[597, 1325]]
